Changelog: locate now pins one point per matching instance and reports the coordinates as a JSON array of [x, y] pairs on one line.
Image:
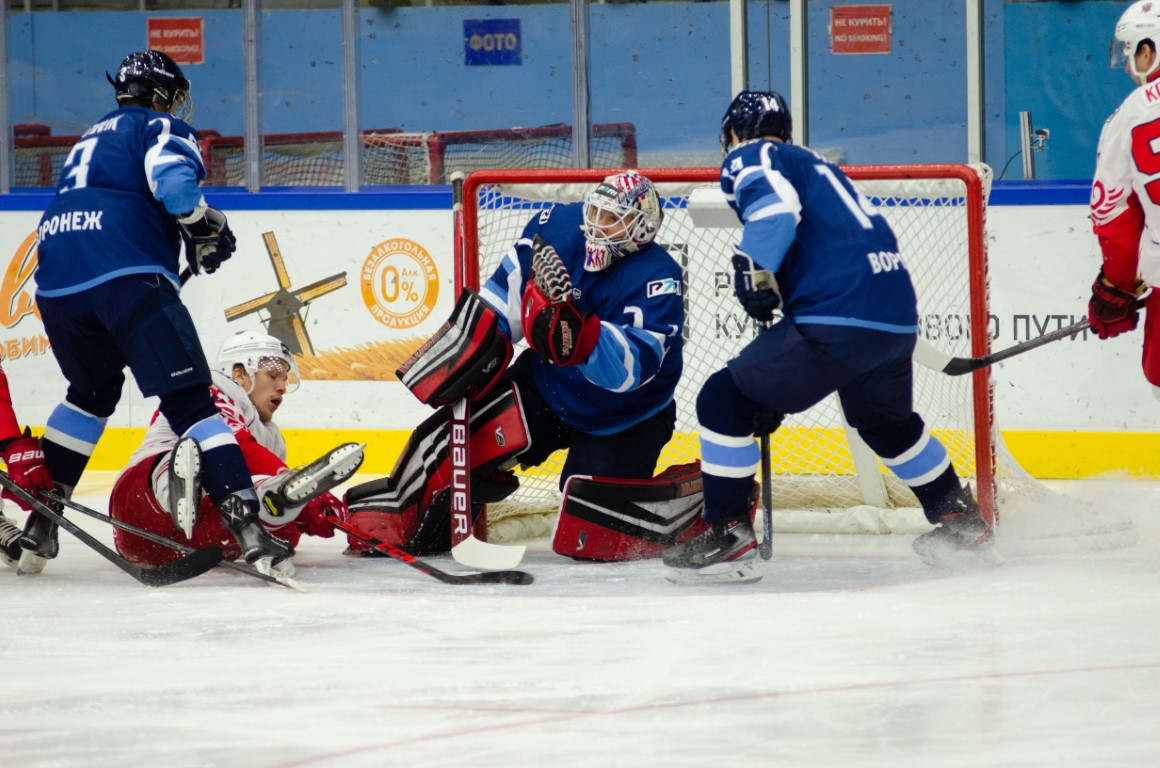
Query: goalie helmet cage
[[825, 480]]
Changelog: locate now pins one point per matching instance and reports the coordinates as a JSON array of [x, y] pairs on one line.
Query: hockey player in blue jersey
[[107, 289], [610, 396], [601, 306], [818, 250]]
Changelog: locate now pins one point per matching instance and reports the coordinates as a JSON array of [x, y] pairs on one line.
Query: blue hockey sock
[[223, 465], [69, 440]]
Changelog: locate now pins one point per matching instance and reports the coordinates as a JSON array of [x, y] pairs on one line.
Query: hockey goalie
[[600, 305]]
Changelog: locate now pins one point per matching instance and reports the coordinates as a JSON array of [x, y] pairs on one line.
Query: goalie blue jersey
[[121, 187], [835, 257], [633, 371]]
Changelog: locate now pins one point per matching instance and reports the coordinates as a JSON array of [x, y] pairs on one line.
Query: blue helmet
[[756, 113], [151, 76]]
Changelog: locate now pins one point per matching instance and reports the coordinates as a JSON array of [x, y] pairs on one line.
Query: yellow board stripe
[[1058, 455]]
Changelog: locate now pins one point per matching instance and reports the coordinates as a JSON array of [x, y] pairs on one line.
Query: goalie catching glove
[[553, 326], [208, 238], [1113, 310], [755, 288]]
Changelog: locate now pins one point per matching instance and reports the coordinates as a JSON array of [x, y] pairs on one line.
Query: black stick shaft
[[158, 539], [491, 577], [197, 562]]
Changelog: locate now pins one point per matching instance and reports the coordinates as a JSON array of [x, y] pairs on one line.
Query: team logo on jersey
[[663, 287]]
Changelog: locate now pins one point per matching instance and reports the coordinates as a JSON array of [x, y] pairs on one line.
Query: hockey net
[[392, 156], [825, 480]]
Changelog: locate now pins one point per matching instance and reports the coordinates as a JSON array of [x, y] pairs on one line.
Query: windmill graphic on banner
[[284, 306]]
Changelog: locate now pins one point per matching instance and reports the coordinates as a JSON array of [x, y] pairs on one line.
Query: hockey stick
[[197, 562], [285, 581], [465, 547], [937, 360], [765, 548], [490, 577]]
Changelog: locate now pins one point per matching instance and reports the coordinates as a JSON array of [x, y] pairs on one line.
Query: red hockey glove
[[312, 519], [1112, 310], [559, 332], [25, 461]]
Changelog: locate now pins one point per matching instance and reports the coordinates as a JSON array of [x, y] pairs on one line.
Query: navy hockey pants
[[631, 453]]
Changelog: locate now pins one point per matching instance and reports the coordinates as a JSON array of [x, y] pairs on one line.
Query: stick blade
[[194, 564], [492, 557], [504, 577]]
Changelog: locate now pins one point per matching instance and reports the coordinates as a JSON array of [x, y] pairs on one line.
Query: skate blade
[[324, 474], [955, 560], [30, 563], [187, 468], [731, 572]]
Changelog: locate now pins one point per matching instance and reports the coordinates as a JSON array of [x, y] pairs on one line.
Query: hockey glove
[[1112, 310], [312, 519], [25, 461], [558, 331], [755, 288], [208, 239]]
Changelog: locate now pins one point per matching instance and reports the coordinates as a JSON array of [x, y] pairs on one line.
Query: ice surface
[[849, 653]]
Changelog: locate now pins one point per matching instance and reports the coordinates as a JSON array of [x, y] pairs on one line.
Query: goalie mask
[[257, 351], [621, 215], [154, 78], [756, 113], [1140, 22]]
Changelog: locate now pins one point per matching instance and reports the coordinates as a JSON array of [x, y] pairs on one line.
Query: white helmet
[[636, 217], [254, 351], [1140, 22]]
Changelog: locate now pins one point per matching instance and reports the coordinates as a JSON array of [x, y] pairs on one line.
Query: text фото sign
[[491, 42]]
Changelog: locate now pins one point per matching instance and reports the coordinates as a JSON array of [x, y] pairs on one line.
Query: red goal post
[[821, 473]]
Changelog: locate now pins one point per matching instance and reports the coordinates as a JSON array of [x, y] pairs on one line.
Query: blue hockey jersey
[[835, 257], [121, 187], [633, 371]]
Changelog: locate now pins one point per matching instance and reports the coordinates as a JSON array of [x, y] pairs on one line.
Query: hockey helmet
[[622, 214], [756, 113], [1139, 22], [153, 77], [257, 351]]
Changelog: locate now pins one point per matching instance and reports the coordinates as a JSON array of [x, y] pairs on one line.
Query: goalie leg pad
[[396, 508], [465, 358], [605, 519]]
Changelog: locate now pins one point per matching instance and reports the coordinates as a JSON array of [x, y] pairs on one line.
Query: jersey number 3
[[76, 165]]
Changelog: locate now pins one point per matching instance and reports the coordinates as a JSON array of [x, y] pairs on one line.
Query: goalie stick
[[197, 562], [490, 577], [465, 547], [285, 581], [937, 360]]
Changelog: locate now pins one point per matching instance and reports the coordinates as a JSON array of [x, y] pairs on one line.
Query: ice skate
[[10, 533], [296, 487], [39, 542], [962, 536], [185, 484], [254, 540], [727, 552]]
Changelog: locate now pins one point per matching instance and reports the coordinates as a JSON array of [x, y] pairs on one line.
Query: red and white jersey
[[243, 418], [1125, 201]]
